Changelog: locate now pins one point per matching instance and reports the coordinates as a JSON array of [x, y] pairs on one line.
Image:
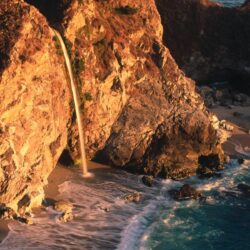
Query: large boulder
[[35, 97], [209, 41], [141, 112]]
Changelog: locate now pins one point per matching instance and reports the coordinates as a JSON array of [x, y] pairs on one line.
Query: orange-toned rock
[[34, 97], [144, 114], [140, 111]]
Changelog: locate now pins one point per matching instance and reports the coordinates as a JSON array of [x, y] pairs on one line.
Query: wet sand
[[240, 116], [4, 230], [241, 124], [59, 175]]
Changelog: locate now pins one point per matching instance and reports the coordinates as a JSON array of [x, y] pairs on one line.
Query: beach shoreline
[[239, 118], [240, 135]]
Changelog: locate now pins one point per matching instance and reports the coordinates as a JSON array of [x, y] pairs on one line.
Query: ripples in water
[[156, 222]]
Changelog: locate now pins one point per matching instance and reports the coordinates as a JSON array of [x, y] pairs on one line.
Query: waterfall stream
[[76, 103]]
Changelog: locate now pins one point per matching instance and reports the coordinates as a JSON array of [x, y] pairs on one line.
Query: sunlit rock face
[[35, 98], [208, 41], [140, 111]]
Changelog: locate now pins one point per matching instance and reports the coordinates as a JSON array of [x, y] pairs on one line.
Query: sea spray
[[77, 105]]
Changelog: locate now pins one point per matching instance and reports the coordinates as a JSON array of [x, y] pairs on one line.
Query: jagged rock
[[186, 192], [135, 197], [214, 53], [35, 98], [6, 212], [241, 161], [245, 189], [148, 180], [24, 220], [103, 208], [66, 217], [204, 172], [63, 206], [140, 111], [208, 166], [146, 128], [134, 118]]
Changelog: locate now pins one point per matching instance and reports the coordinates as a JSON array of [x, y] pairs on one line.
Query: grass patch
[[78, 65], [88, 97]]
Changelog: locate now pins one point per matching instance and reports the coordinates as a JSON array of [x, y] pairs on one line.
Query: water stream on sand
[[76, 103], [104, 221]]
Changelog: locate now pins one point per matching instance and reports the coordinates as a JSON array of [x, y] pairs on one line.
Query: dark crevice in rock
[[53, 10], [65, 158]]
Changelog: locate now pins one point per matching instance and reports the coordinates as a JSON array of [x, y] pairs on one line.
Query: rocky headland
[[140, 112], [209, 42]]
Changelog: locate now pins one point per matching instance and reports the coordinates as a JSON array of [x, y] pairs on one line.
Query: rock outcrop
[[209, 42], [140, 111], [35, 97], [144, 114]]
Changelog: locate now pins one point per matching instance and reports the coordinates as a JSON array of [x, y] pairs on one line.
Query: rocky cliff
[[209, 42], [140, 111], [35, 98]]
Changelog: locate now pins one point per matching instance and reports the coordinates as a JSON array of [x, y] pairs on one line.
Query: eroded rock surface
[[144, 114], [209, 42], [140, 111], [35, 97], [186, 192]]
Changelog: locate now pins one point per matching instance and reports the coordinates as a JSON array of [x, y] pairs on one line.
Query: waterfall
[[76, 103]]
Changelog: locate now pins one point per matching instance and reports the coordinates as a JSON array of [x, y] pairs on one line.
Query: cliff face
[[208, 41], [143, 114], [35, 98], [140, 111]]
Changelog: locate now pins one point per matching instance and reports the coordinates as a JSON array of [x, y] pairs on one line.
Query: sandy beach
[[239, 118], [59, 175]]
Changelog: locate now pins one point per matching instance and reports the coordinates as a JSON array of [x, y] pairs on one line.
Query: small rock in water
[[209, 165], [135, 197], [205, 172], [105, 209], [63, 206], [227, 159], [241, 161], [6, 212], [244, 189], [186, 192], [148, 180], [66, 217], [24, 220]]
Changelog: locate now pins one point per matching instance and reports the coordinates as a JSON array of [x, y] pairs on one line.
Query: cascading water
[[77, 105]]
